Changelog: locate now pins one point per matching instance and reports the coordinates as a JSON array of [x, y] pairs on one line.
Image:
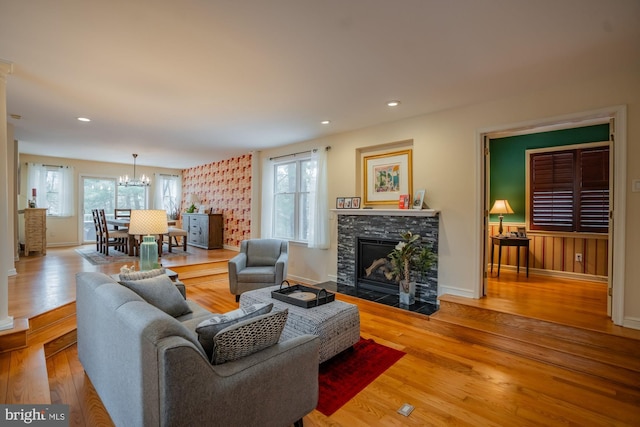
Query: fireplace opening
[[373, 266]]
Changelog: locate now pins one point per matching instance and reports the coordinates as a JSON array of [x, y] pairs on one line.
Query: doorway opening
[[613, 117]]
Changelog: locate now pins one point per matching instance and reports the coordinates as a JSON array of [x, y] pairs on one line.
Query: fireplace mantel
[[387, 212]]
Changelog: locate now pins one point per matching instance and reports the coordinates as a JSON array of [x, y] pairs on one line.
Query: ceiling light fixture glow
[[125, 181], [393, 103], [84, 119], [325, 122]]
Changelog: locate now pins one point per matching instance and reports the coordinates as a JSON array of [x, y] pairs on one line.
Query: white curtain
[[50, 180], [266, 225], [168, 193], [319, 235]]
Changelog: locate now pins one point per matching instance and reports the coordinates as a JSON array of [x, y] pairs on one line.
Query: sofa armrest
[[196, 390]]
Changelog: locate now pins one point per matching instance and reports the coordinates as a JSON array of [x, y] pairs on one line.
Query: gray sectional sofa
[[150, 370]]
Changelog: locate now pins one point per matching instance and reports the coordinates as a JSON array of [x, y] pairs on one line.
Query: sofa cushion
[[208, 328], [257, 275], [248, 337], [161, 292]]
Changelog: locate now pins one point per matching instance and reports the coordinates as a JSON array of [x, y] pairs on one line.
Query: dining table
[[124, 223]]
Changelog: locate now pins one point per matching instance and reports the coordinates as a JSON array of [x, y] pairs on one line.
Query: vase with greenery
[[410, 254]]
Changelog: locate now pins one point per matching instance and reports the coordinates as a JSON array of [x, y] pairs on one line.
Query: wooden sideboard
[[35, 230], [203, 230]]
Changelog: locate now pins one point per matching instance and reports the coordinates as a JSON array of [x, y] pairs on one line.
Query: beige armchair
[[260, 263]]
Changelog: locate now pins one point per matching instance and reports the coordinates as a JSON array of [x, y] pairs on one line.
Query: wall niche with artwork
[[385, 172]]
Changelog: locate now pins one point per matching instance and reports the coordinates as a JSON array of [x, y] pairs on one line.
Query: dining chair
[[122, 213], [96, 224], [118, 239], [174, 233]]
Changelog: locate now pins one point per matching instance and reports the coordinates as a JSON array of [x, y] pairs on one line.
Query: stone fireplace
[[377, 231]]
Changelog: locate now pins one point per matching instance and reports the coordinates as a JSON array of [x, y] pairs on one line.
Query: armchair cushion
[[248, 337], [210, 327], [160, 292]]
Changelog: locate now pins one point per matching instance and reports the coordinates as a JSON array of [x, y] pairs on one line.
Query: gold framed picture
[[387, 176]]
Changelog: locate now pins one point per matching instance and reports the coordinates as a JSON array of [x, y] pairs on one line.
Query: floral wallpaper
[[225, 187]]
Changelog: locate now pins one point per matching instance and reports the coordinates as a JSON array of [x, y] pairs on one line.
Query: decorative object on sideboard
[[125, 181], [192, 200], [387, 176], [501, 207], [32, 202]]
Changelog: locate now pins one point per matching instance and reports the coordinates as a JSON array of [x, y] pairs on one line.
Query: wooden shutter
[[569, 190], [594, 190], [551, 191]]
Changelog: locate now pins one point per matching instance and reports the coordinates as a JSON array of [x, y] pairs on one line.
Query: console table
[[519, 242]]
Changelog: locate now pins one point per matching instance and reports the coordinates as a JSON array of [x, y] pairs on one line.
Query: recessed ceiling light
[[325, 122], [393, 103], [84, 119]]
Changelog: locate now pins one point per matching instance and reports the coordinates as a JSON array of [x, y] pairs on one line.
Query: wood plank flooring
[[453, 373]]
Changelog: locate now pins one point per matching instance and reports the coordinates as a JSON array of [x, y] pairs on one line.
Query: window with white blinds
[[569, 190]]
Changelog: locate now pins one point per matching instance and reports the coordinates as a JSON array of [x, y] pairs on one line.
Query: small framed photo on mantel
[[418, 200], [348, 203]]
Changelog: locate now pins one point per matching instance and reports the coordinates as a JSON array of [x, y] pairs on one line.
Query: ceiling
[[196, 81]]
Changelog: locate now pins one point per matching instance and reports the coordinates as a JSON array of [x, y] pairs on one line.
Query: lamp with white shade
[[501, 207], [148, 223], [192, 201]]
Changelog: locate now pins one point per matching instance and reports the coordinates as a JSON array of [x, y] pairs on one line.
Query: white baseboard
[[553, 273], [452, 290], [294, 278], [631, 322]]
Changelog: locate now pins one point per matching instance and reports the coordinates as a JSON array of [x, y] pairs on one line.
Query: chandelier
[[125, 181]]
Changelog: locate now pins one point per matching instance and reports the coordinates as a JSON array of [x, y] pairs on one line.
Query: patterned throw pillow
[[248, 337], [160, 292], [207, 329], [137, 275]]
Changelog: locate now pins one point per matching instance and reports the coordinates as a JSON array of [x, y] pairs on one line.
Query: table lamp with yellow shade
[[150, 224], [501, 207]]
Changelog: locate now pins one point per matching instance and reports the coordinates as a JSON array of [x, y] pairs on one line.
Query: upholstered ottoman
[[336, 323]]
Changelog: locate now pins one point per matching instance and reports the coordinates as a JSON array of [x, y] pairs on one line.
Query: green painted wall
[[507, 169]]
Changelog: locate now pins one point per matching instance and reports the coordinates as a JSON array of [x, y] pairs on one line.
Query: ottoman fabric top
[[336, 323]]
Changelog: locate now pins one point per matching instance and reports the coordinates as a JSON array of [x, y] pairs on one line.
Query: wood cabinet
[[35, 230], [203, 230]]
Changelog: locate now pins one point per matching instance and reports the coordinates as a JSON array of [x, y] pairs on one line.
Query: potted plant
[[410, 254]]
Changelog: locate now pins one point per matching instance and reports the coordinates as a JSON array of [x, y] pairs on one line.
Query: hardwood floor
[[532, 353]]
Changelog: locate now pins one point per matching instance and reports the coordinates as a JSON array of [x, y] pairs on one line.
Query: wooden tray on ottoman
[[302, 296]]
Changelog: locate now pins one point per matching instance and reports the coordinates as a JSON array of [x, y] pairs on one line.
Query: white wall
[[445, 164]]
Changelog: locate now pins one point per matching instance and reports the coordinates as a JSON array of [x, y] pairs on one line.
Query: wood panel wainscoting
[[558, 252], [531, 353]]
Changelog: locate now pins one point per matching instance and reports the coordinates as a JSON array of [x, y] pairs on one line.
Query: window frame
[[575, 229], [298, 199]]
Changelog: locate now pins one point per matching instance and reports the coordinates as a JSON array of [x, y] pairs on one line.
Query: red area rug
[[345, 375]]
